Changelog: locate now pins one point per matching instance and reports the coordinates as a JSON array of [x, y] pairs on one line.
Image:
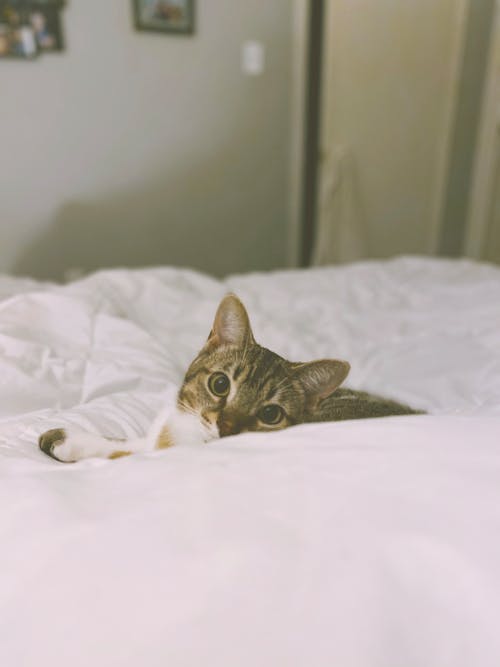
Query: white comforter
[[359, 544]]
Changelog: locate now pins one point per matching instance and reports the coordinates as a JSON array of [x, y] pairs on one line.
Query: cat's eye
[[271, 414], [219, 384]]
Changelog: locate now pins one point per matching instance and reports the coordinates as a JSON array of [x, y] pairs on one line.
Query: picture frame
[[45, 19], [17, 37], [175, 17], [29, 28]]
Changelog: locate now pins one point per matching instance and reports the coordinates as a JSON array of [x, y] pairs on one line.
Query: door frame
[[305, 126]]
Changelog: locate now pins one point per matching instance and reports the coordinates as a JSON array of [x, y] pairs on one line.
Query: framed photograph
[[17, 37], [170, 16], [45, 20], [30, 27]]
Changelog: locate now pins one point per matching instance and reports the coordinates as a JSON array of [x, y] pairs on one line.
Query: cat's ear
[[321, 378], [231, 324]]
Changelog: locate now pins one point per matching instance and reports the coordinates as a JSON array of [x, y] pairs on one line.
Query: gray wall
[[138, 149]]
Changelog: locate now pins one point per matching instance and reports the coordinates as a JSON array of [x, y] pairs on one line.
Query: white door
[[390, 88]]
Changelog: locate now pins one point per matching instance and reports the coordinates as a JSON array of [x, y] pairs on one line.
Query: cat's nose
[[227, 427]]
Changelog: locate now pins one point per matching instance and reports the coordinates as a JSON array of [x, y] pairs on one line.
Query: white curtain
[[341, 235]]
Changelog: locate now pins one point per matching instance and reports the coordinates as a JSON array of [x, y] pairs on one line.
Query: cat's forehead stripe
[[263, 367], [271, 393], [237, 372]]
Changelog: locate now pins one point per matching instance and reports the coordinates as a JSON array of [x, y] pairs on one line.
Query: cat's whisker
[[194, 413], [204, 423], [187, 408], [281, 383]]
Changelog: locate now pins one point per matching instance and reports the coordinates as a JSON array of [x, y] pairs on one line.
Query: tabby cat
[[235, 385]]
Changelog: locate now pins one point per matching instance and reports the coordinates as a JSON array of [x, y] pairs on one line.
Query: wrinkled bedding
[[368, 543]]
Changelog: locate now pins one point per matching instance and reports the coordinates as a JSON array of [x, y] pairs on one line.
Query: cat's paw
[[65, 446], [52, 440]]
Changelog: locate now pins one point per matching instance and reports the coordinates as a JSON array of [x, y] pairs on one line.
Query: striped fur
[[258, 377]]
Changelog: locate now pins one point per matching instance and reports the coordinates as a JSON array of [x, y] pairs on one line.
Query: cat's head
[[235, 385]]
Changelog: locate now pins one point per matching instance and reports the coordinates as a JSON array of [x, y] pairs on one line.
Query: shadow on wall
[[211, 217]]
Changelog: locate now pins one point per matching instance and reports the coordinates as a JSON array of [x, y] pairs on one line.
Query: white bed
[[358, 544]]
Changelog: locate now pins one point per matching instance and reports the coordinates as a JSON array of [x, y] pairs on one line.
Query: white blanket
[[359, 544]]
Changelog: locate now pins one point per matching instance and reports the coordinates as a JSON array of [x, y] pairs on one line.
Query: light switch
[[253, 58]]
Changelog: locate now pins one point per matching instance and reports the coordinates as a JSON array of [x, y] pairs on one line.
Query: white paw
[[69, 446], [187, 429]]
